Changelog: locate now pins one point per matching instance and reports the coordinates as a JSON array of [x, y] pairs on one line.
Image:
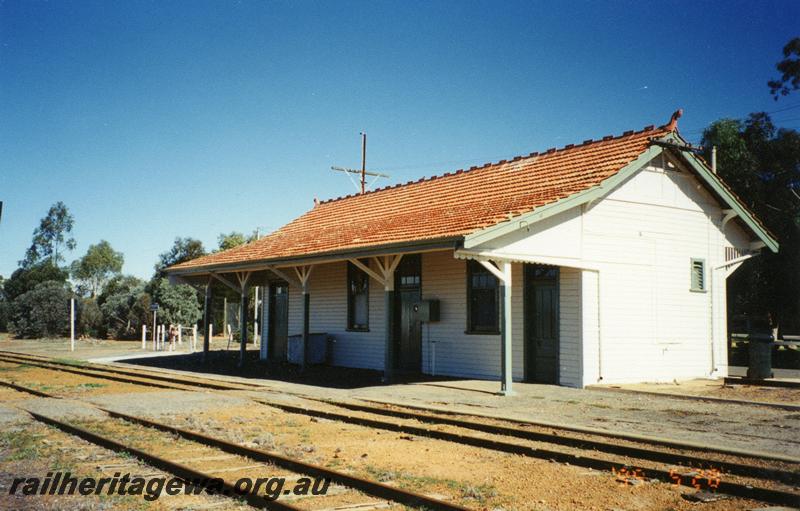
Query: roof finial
[[673, 121], [316, 202]]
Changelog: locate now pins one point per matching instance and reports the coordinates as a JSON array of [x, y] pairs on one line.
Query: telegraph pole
[[363, 172], [363, 161]]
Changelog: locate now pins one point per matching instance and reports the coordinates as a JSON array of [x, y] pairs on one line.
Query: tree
[[762, 165], [183, 249], [89, 321], [178, 304], [51, 237], [125, 306], [230, 240], [27, 278], [95, 268], [41, 312], [234, 239], [789, 68], [5, 308]]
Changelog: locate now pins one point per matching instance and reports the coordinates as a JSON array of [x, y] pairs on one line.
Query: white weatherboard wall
[[570, 359], [643, 237], [456, 352], [328, 313], [478, 356], [631, 253]]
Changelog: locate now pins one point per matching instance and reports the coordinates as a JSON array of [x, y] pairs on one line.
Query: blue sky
[[152, 120]]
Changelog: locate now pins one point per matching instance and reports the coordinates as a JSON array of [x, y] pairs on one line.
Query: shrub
[[27, 278], [178, 304], [89, 322], [5, 311], [125, 309], [41, 312]]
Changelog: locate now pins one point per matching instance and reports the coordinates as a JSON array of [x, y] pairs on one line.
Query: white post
[[255, 318], [507, 334], [180, 336], [210, 332], [433, 356], [194, 338], [155, 329], [264, 344], [72, 324], [144, 337]]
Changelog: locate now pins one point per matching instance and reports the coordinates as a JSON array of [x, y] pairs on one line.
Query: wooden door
[[278, 321], [541, 323]]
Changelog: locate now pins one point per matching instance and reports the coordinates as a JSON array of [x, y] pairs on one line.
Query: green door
[[408, 332], [541, 323], [278, 321]]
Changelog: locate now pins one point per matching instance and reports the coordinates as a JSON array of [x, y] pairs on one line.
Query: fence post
[[180, 335], [144, 337], [72, 324], [194, 337]]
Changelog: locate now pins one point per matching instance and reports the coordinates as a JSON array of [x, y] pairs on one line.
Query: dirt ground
[[32, 450], [718, 389], [92, 348], [477, 478], [474, 477]]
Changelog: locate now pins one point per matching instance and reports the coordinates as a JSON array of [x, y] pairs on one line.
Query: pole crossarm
[[356, 171]]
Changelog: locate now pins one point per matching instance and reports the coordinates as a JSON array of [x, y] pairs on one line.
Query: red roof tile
[[447, 206]]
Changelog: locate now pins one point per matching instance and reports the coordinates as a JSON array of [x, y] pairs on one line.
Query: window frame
[[353, 271], [703, 287], [471, 329]]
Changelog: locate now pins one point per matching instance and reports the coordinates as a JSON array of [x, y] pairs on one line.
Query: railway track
[[142, 377], [405, 411], [585, 442], [601, 453], [117, 436]]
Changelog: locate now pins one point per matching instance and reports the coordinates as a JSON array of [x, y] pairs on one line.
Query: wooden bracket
[[227, 282], [386, 268], [729, 215], [497, 272]]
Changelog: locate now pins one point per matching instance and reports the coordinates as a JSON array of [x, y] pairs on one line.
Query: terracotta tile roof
[[447, 206]]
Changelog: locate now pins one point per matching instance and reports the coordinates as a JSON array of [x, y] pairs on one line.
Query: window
[[482, 300], [408, 273], [698, 275], [357, 298]]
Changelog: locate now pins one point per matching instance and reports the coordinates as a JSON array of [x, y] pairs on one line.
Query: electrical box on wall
[[427, 310]]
